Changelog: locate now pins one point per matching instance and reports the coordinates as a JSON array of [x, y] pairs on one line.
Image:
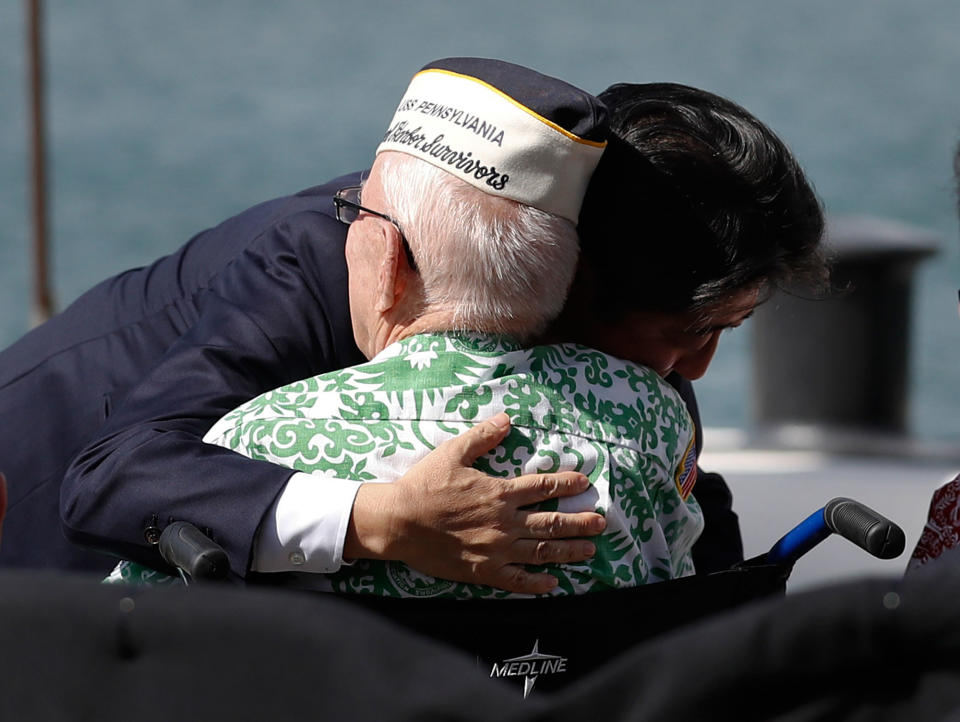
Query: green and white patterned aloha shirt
[[571, 408]]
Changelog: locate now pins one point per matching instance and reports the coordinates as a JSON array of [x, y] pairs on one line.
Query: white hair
[[499, 266]]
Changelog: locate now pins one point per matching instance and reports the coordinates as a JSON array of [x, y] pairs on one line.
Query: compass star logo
[[530, 666]]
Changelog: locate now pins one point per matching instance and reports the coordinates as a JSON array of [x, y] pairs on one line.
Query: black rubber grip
[[864, 527], [184, 546]]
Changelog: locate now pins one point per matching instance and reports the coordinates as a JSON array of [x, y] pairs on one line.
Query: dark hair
[[694, 199]]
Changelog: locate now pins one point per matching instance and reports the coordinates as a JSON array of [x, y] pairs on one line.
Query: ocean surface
[[164, 118]]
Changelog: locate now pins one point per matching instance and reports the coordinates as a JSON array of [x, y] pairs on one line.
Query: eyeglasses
[[347, 203]]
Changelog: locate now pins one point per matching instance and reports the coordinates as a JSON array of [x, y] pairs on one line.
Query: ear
[[394, 271]]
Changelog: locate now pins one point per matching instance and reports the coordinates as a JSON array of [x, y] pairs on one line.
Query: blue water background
[[166, 117]]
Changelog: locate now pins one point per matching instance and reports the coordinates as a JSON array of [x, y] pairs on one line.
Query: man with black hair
[[719, 212]]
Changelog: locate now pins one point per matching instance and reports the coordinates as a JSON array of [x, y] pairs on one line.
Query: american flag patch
[[686, 475]]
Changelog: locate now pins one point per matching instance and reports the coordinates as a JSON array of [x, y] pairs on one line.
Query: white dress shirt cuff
[[305, 528]]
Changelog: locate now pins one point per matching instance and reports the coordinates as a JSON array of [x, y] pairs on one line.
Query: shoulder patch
[[686, 475]]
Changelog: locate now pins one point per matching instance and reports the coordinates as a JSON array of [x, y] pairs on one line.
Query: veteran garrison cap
[[505, 129]]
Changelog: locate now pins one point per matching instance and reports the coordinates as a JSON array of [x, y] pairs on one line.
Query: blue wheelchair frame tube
[[799, 540]]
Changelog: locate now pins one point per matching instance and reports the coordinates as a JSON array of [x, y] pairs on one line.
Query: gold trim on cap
[[546, 121]]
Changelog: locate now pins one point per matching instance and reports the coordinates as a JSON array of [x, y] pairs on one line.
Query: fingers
[[534, 488], [556, 551], [514, 578], [478, 440], [558, 525]]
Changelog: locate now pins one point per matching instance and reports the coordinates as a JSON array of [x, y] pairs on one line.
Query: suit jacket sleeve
[[276, 312]]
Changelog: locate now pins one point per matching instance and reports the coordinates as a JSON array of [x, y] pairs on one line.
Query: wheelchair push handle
[[852, 520], [864, 527], [191, 551]]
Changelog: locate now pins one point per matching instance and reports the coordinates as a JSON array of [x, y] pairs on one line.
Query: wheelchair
[[549, 643]]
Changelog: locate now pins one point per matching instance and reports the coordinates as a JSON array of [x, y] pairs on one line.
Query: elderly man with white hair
[[453, 265]]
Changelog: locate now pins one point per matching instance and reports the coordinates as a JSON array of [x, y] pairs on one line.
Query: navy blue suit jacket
[[106, 404], [130, 376]]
